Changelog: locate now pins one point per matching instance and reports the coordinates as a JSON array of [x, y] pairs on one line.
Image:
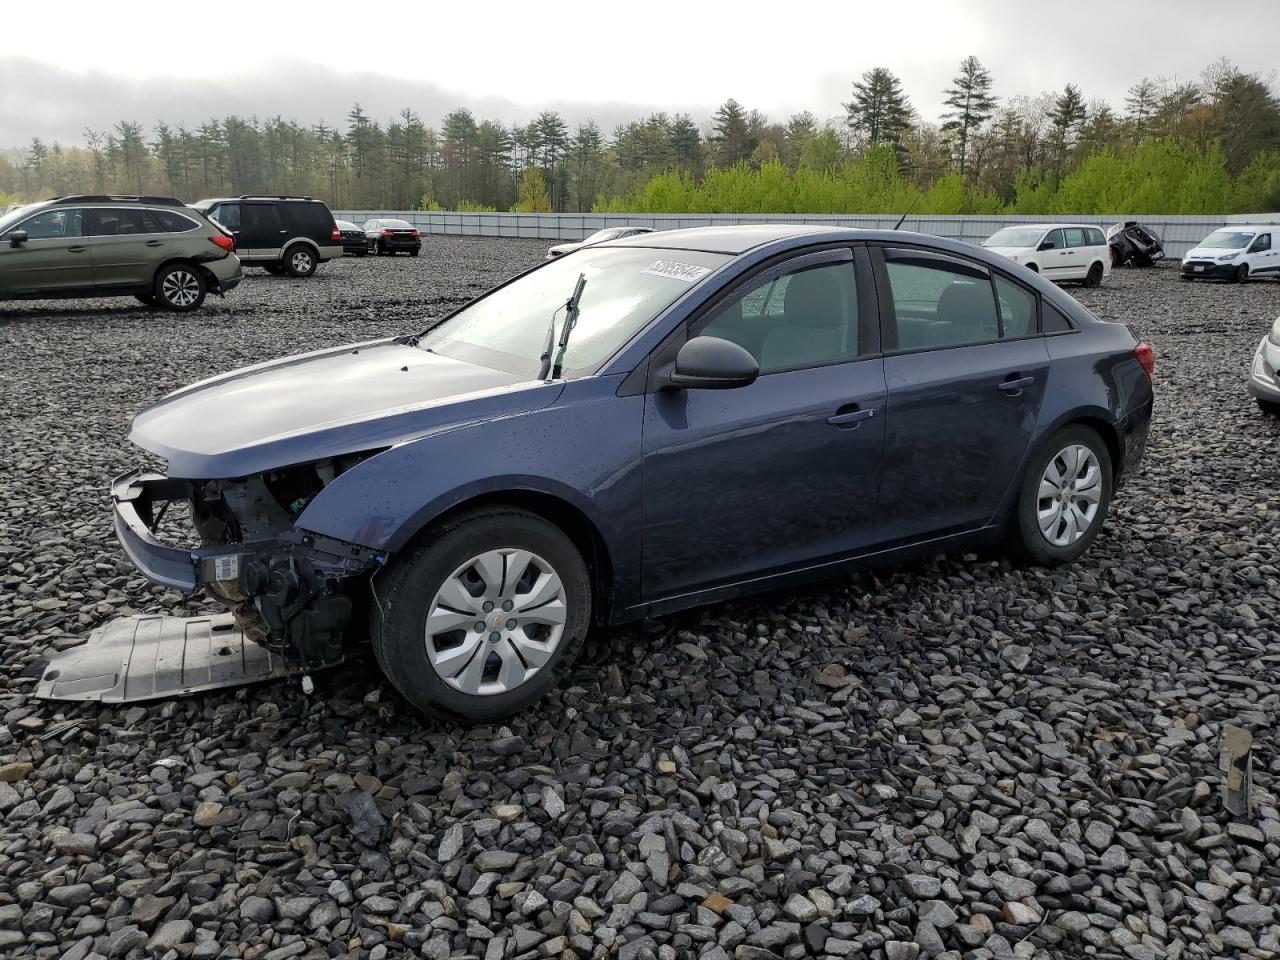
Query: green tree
[[533, 193], [1141, 104], [1066, 116], [732, 137], [971, 103], [879, 111]]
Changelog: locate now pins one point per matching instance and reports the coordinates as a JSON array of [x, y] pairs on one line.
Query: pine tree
[[878, 111], [1067, 115], [971, 103], [732, 136], [1141, 104]]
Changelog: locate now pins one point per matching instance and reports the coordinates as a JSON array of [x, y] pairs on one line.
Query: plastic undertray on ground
[[153, 657]]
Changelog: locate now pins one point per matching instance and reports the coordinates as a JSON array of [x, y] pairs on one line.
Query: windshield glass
[[626, 288], [398, 224], [1015, 237], [1227, 240], [602, 235], [12, 217]]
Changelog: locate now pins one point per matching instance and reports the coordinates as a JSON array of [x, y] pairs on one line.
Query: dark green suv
[[154, 248]]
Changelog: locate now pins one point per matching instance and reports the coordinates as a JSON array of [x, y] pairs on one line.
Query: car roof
[[735, 239], [1255, 227], [1049, 226]]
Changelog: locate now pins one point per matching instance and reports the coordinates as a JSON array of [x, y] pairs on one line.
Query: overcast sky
[[88, 64]]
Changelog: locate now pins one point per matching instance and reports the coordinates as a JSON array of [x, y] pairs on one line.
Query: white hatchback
[[1059, 251], [1235, 253]]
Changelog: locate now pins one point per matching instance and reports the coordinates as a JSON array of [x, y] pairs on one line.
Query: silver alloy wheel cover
[[494, 622], [1069, 496], [180, 288], [301, 261]]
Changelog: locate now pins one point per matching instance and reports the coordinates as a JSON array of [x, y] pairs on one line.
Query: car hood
[[345, 400], [1209, 253]]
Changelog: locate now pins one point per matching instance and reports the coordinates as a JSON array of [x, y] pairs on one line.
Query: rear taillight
[[1146, 358], [336, 235], [415, 234], [387, 233], [226, 243]]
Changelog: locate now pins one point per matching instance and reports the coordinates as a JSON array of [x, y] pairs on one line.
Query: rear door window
[[1074, 236], [260, 216], [1017, 309], [939, 303]]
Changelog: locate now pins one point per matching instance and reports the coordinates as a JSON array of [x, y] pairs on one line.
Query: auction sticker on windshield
[[676, 270]]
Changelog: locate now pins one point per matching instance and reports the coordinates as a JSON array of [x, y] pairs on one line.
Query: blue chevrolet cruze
[[671, 419]]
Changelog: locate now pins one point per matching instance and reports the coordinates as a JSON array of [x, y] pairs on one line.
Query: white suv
[[1059, 251], [1235, 253]]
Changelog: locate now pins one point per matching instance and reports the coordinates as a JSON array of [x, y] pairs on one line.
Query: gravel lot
[[955, 757]]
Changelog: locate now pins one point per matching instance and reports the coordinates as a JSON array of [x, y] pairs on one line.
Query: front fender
[[584, 450]]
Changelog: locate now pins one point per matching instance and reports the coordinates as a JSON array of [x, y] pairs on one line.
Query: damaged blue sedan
[[637, 427]]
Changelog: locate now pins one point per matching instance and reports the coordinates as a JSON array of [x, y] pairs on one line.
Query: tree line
[[1171, 147]]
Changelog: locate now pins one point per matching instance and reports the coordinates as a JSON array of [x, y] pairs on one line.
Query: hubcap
[[1069, 496], [302, 262], [181, 288], [495, 621]]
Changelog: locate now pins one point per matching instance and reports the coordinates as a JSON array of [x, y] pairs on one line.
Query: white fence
[[1180, 234]]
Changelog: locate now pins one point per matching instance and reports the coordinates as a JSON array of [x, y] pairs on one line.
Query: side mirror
[[17, 238], [709, 363], [1047, 245]]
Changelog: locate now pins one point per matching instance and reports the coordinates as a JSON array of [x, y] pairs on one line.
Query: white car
[[1264, 374], [1058, 251], [1235, 253]]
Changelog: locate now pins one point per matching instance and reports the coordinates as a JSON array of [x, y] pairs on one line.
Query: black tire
[[413, 253], [1241, 275], [1268, 407], [300, 260], [1094, 277], [382, 249], [1024, 538], [180, 287], [1186, 276], [405, 592], [1033, 268]]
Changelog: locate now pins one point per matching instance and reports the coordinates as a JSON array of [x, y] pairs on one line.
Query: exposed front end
[[291, 590], [1264, 373]]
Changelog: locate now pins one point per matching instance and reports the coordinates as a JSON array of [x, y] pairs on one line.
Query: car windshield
[[398, 224], [346, 225], [12, 217], [1227, 240], [600, 236], [1015, 237], [626, 288]]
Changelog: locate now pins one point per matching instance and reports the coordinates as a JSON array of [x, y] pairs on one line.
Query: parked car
[[153, 248], [354, 243], [1234, 253], [1059, 251], [600, 236], [387, 236], [283, 235], [1264, 374], [650, 424], [1134, 244]]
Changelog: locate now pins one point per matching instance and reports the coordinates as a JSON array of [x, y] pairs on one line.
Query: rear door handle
[[76, 249], [1016, 385], [155, 243], [850, 416]]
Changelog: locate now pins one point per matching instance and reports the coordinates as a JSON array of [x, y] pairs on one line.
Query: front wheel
[[179, 287], [1268, 407], [1094, 277], [1064, 498], [413, 253], [300, 261], [1241, 274], [481, 619]]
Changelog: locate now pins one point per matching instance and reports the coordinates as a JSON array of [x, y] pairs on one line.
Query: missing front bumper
[[154, 657]]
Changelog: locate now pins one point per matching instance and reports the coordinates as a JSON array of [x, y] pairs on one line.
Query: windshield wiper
[[570, 319]]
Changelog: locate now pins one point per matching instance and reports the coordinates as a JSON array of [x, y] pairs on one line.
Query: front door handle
[[76, 249], [1015, 385], [155, 243], [850, 416]]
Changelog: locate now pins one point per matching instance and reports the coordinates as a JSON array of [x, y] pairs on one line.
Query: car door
[[1263, 257], [1053, 253], [783, 473], [1076, 256], [54, 257], [964, 390], [126, 247], [262, 230]]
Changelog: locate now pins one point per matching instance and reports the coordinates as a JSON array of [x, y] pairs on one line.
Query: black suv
[[281, 234]]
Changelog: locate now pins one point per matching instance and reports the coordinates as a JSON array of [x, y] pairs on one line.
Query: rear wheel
[[180, 287], [300, 261], [483, 618], [1094, 276], [1064, 499], [1269, 408]]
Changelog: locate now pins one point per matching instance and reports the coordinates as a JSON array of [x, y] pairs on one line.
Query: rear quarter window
[[310, 219], [1096, 239], [170, 222], [1052, 319]]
